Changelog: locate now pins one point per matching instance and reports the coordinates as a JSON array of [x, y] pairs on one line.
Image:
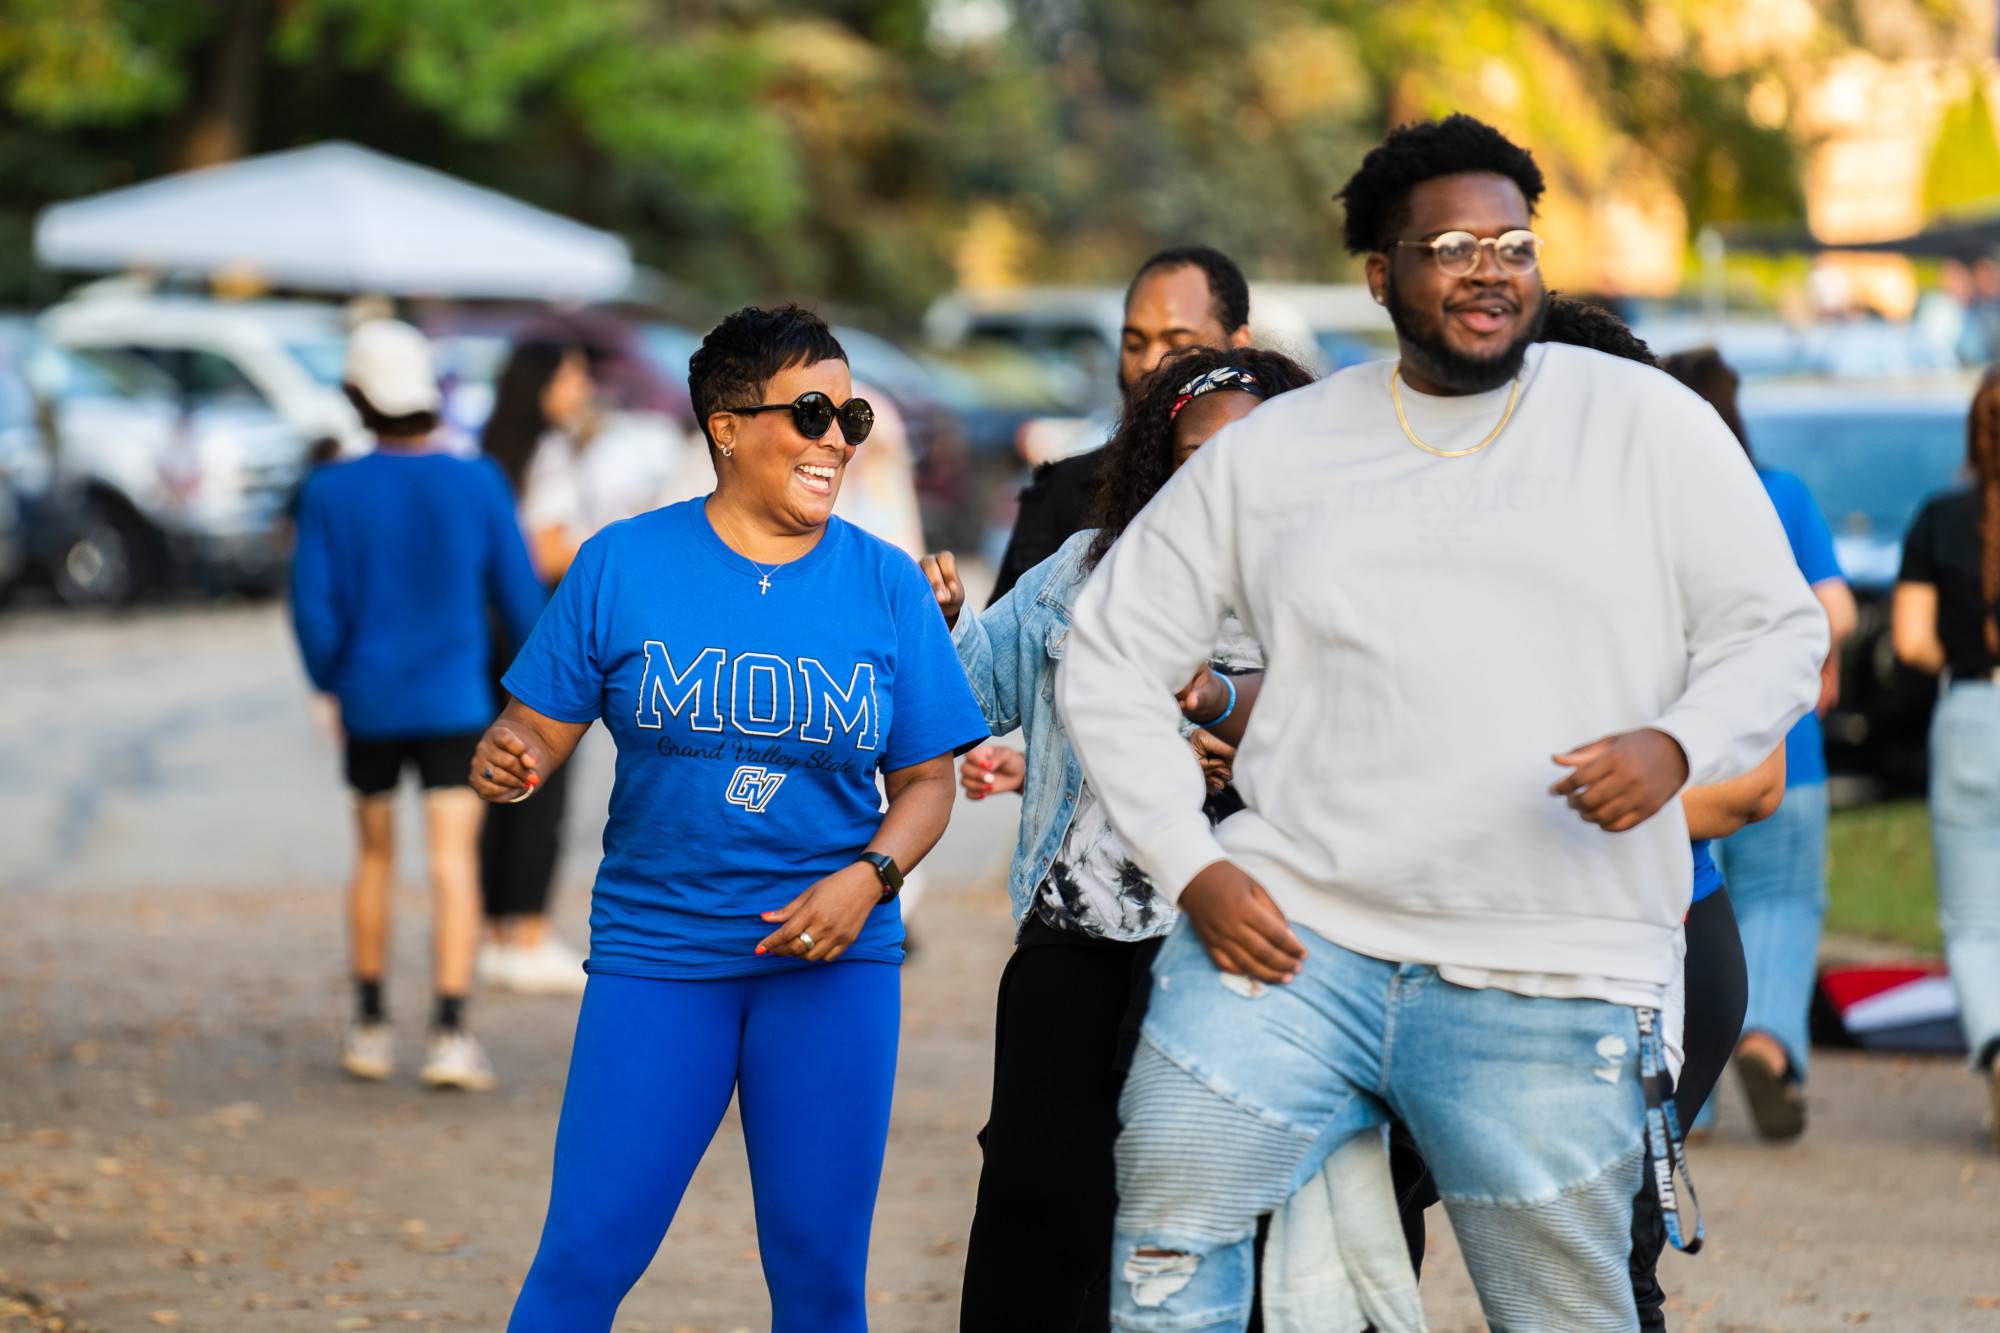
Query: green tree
[[837, 149], [1963, 174]]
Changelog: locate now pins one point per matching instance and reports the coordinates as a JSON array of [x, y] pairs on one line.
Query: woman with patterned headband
[[1089, 921]]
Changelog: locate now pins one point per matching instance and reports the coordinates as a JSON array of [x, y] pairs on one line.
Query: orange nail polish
[[760, 948]]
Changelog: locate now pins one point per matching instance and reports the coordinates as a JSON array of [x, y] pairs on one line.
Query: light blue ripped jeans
[[1776, 873], [1528, 1111], [1965, 834]]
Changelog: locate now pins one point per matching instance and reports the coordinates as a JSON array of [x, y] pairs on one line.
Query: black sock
[[450, 1012], [1989, 1055], [368, 1000]]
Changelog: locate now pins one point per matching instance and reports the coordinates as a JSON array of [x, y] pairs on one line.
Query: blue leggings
[[810, 1053]]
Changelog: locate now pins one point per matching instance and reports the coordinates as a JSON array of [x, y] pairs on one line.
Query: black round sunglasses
[[813, 413]]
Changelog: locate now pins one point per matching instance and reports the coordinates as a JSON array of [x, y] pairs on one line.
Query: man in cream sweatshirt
[[1513, 597]]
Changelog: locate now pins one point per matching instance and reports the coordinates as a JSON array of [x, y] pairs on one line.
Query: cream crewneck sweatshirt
[[1436, 630]]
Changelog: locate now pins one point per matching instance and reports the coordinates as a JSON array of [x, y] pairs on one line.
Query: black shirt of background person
[[1943, 550], [1054, 506]]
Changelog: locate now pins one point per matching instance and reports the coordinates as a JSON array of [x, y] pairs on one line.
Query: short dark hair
[[1377, 195], [746, 351], [1228, 291], [407, 426], [1587, 324], [1703, 370]]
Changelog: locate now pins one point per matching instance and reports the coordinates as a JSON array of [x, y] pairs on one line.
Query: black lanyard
[[1664, 1151]]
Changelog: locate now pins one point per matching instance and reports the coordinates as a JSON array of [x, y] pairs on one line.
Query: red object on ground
[[1894, 1007]]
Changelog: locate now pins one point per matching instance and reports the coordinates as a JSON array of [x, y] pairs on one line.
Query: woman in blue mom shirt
[[757, 662]]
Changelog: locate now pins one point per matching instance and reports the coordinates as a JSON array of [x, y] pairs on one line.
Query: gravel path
[[178, 1149]]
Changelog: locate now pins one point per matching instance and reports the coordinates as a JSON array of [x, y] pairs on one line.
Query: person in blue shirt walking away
[[1776, 869], [760, 665], [400, 553]]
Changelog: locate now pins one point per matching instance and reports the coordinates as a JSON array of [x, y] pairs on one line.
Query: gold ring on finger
[[805, 938]]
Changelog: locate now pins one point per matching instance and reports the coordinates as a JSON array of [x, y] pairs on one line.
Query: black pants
[[517, 850], [1718, 989], [1040, 1254]]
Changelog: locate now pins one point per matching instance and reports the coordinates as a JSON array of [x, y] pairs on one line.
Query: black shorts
[[374, 767]]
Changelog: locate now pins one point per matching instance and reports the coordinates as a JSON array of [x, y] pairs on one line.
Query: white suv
[[283, 355]]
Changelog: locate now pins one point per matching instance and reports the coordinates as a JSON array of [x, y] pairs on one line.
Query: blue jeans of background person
[[811, 1056], [1776, 873], [1529, 1112], [1965, 836]]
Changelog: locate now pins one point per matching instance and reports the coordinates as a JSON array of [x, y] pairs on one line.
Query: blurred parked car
[[1770, 348], [146, 485], [1870, 453], [1082, 327], [13, 548], [27, 463], [282, 356], [1347, 325]]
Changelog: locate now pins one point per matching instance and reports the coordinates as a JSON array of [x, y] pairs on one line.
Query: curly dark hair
[[1140, 455], [1587, 324], [1377, 195]]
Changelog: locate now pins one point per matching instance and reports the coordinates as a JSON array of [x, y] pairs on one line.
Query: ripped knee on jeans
[[1157, 1274]]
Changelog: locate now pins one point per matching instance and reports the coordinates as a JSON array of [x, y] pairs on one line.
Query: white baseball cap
[[389, 364]]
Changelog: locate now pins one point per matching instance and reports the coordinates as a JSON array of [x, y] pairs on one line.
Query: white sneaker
[[494, 964], [457, 1060], [548, 968], [368, 1050]]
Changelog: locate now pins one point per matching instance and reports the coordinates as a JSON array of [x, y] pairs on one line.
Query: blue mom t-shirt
[[750, 726]]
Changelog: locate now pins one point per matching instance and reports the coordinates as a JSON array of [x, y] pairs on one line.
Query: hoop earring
[[726, 452]]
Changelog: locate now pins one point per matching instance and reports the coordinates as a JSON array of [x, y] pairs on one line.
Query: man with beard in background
[[1189, 296]]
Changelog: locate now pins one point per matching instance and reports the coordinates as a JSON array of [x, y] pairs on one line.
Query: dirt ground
[[178, 1148]]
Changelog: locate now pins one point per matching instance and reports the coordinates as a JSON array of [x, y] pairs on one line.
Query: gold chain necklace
[[1396, 396]]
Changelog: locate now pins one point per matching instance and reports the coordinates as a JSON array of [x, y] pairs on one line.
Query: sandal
[[1776, 1103]]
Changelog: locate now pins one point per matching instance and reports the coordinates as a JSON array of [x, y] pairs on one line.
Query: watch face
[[885, 870]]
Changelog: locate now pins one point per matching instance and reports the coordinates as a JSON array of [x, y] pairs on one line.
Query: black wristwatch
[[887, 871]]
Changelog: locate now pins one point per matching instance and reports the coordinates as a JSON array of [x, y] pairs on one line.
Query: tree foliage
[[842, 149]]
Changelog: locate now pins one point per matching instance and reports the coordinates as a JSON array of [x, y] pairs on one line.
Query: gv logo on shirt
[[752, 787]]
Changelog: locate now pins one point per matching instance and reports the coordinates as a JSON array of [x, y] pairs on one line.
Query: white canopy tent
[[337, 217]]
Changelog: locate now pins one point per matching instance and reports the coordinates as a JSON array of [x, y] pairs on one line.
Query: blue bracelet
[[1224, 717]]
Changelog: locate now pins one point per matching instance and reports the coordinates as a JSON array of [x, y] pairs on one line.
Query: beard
[[1445, 365]]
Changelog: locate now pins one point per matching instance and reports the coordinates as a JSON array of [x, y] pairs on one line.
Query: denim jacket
[[1009, 653]]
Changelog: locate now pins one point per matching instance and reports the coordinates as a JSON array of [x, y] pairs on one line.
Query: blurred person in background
[[1188, 296], [758, 663], [1945, 620], [1776, 869], [400, 554], [1944, 318], [1088, 919], [1985, 309], [539, 432]]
